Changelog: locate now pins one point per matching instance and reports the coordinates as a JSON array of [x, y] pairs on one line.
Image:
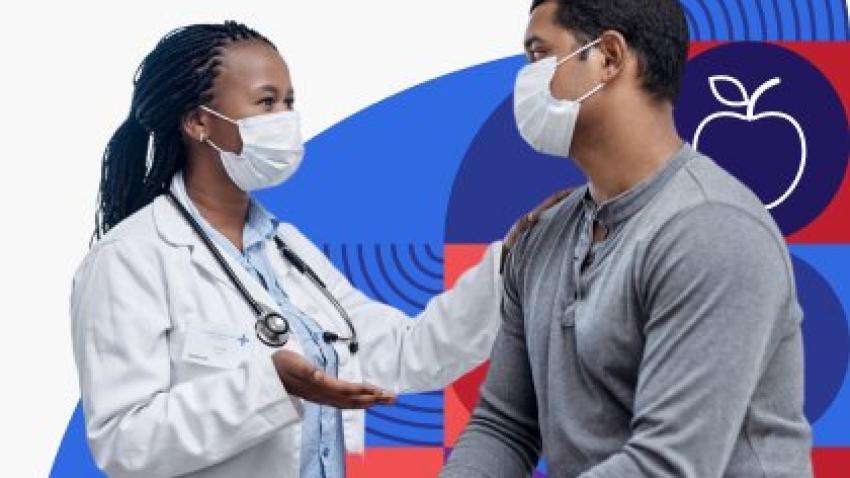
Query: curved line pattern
[[402, 421], [762, 20], [407, 441], [408, 277], [411, 251], [813, 27], [780, 25], [433, 255], [830, 22], [712, 31], [346, 266], [418, 408], [795, 15], [765, 20], [380, 260], [364, 270], [693, 26], [743, 17], [727, 19]]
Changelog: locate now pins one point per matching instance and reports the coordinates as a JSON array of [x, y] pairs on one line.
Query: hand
[[302, 379], [528, 221]]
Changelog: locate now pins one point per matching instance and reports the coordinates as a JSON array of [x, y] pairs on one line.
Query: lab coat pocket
[[214, 345]]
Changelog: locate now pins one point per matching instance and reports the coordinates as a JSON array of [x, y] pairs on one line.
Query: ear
[[615, 52], [193, 124]]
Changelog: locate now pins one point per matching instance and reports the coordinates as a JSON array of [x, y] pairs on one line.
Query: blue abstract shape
[[74, 459], [823, 285], [501, 179], [827, 341], [415, 420], [385, 174]]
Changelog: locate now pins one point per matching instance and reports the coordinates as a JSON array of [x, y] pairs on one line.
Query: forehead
[[543, 17], [543, 25], [251, 64]]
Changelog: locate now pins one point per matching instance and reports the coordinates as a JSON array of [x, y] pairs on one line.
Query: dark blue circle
[[765, 153], [826, 339]]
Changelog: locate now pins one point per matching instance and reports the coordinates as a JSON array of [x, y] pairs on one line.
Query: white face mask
[[545, 122], [272, 149]]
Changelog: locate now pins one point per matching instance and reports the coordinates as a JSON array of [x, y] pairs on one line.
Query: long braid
[[147, 149]]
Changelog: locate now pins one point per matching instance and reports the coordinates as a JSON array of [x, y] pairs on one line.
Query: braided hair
[[147, 149]]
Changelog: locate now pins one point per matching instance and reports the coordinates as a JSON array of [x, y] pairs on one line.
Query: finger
[[366, 401], [347, 388], [552, 200]]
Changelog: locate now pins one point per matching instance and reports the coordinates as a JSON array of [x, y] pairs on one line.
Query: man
[[650, 321]]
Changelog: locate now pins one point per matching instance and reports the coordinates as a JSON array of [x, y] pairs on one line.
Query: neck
[[223, 205], [622, 151]]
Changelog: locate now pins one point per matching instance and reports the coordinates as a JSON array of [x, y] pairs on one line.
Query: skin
[[253, 80], [623, 134]]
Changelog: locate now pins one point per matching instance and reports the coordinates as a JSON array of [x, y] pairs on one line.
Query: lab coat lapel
[[173, 227]]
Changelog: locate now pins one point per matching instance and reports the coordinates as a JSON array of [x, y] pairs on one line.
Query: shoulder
[[549, 227], [301, 244], [134, 243]]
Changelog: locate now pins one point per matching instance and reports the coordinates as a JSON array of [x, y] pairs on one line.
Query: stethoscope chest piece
[[272, 329]]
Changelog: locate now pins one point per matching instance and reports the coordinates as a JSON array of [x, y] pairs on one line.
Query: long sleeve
[[503, 435], [715, 315], [452, 335], [139, 423]]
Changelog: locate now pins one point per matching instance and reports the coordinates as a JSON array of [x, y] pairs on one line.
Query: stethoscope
[[271, 327]]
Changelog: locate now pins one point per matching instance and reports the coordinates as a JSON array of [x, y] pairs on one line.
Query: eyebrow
[[273, 90]]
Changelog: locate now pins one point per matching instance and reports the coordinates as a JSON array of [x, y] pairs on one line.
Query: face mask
[[544, 122], [271, 149]]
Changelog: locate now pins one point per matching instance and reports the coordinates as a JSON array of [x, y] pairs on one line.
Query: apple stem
[[751, 106]]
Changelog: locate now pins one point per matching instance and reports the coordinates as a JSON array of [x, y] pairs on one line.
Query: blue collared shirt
[[322, 444]]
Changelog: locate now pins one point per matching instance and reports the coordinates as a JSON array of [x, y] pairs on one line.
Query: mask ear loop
[[579, 51], [212, 111], [590, 93], [205, 138]]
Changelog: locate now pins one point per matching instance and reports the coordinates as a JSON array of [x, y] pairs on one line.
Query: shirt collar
[[628, 203]]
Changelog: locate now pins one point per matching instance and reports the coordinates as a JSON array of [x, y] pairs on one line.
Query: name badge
[[218, 347]]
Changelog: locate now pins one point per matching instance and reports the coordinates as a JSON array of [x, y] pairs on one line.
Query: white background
[[65, 85]]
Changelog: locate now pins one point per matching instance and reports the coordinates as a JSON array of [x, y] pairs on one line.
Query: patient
[[651, 326]]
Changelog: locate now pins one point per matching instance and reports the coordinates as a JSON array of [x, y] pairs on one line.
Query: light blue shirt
[[322, 443]]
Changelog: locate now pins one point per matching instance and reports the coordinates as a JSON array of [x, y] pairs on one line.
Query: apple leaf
[[716, 80]]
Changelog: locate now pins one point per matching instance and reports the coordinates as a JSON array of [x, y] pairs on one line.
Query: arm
[[502, 438], [139, 423], [452, 335], [717, 286]]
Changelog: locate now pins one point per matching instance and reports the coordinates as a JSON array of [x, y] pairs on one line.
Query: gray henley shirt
[[674, 349]]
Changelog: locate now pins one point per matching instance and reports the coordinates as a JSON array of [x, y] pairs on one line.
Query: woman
[[174, 379]]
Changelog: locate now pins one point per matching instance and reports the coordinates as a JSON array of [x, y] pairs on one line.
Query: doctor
[[179, 375]]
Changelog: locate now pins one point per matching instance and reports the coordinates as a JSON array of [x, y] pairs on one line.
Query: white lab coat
[[152, 410]]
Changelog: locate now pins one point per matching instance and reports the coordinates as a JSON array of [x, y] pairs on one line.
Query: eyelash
[[269, 102]]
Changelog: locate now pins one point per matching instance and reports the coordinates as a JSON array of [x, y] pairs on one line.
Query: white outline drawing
[[750, 103]]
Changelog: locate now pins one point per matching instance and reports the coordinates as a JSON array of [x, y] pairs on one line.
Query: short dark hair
[[657, 33]]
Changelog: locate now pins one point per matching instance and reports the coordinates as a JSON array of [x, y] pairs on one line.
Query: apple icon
[[750, 116]]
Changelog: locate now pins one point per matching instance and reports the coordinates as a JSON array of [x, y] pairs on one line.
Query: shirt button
[[326, 452]]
